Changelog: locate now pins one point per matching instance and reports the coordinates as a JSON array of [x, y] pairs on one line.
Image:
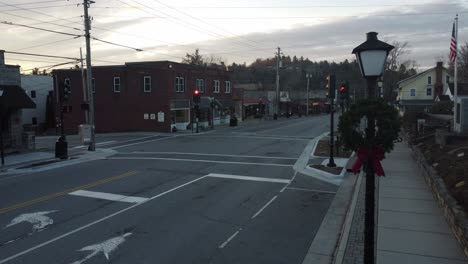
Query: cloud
[[426, 28]]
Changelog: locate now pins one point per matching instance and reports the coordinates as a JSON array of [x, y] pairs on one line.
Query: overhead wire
[[46, 44], [204, 22], [177, 20]]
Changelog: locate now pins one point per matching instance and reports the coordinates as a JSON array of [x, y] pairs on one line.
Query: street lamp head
[[372, 55]]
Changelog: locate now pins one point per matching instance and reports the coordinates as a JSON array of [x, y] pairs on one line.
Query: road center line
[[263, 208], [247, 178], [109, 196], [54, 195], [95, 222], [205, 154], [224, 244], [195, 160]]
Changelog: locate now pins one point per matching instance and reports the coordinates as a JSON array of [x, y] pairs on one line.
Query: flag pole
[[455, 84]]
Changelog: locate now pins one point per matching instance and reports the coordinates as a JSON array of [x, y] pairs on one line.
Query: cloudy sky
[[237, 30]]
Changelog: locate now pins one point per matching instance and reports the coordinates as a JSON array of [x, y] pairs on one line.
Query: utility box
[[85, 133]]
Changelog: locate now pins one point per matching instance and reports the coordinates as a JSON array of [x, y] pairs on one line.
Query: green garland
[[387, 125]]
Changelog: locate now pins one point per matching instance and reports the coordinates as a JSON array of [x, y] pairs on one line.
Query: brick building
[[148, 96]]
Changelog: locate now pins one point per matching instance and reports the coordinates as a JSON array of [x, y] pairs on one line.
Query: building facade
[[40, 89], [420, 91], [147, 96], [12, 100]]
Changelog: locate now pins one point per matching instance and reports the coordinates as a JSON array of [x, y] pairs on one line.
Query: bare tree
[[194, 59], [396, 55], [462, 63], [398, 67]]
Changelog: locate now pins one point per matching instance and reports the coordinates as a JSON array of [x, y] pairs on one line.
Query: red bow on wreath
[[375, 155]]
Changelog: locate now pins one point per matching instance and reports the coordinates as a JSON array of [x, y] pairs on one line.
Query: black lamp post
[[371, 56], [2, 154]]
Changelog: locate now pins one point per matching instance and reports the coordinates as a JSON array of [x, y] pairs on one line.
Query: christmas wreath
[[353, 125]]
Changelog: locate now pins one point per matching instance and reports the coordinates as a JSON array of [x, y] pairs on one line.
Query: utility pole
[[277, 81], [308, 76], [85, 91], [87, 21]]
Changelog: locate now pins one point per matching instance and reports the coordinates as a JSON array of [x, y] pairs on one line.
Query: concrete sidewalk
[[411, 227]]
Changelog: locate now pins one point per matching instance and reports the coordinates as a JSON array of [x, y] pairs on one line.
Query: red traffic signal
[[196, 96], [342, 89], [196, 92]]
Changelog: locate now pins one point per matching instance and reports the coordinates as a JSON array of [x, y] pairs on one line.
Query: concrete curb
[[315, 173], [99, 154], [343, 241], [326, 241]]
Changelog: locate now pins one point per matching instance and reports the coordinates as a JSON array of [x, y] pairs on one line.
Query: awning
[[255, 101], [14, 97]]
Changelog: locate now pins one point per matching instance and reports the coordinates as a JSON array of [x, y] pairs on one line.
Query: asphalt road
[[226, 196]]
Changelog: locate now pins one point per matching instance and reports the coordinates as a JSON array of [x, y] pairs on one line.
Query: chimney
[[2, 57], [438, 85]]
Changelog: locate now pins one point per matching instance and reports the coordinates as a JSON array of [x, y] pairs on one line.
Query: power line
[[198, 19], [39, 7], [28, 60], [48, 67], [115, 44], [42, 29], [45, 44], [41, 21], [42, 55], [185, 23], [35, 3]]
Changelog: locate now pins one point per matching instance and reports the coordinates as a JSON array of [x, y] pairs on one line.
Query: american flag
[[453, 45]]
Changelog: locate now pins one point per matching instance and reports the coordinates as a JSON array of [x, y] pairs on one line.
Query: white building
[[37, 87]]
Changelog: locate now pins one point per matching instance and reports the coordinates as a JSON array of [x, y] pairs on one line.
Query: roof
[[417, 75], [443, 98], [462, 88], [15, 97]]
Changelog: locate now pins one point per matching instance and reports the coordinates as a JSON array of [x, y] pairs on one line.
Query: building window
[[34, 121], [216, 86], [180, 85], [228, 87], [457, 114], [116, 84], [429, 80], [200, 85], [33, 94], [429, 91], [147, 84], [412, 92], [93, 85], [447, 79]]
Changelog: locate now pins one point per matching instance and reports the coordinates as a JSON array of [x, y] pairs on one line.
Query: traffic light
[[330, 86], [196, 96], [66, 90], [343, 90]]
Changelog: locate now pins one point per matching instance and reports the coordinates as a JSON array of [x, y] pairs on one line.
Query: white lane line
[[95, 222], [287, 185], [224, 244], [205, 154], [265, 206], [194, 160], [109, 196], [143, 142], [97, 144], [247, 178], [309, 190], [259, 137]]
